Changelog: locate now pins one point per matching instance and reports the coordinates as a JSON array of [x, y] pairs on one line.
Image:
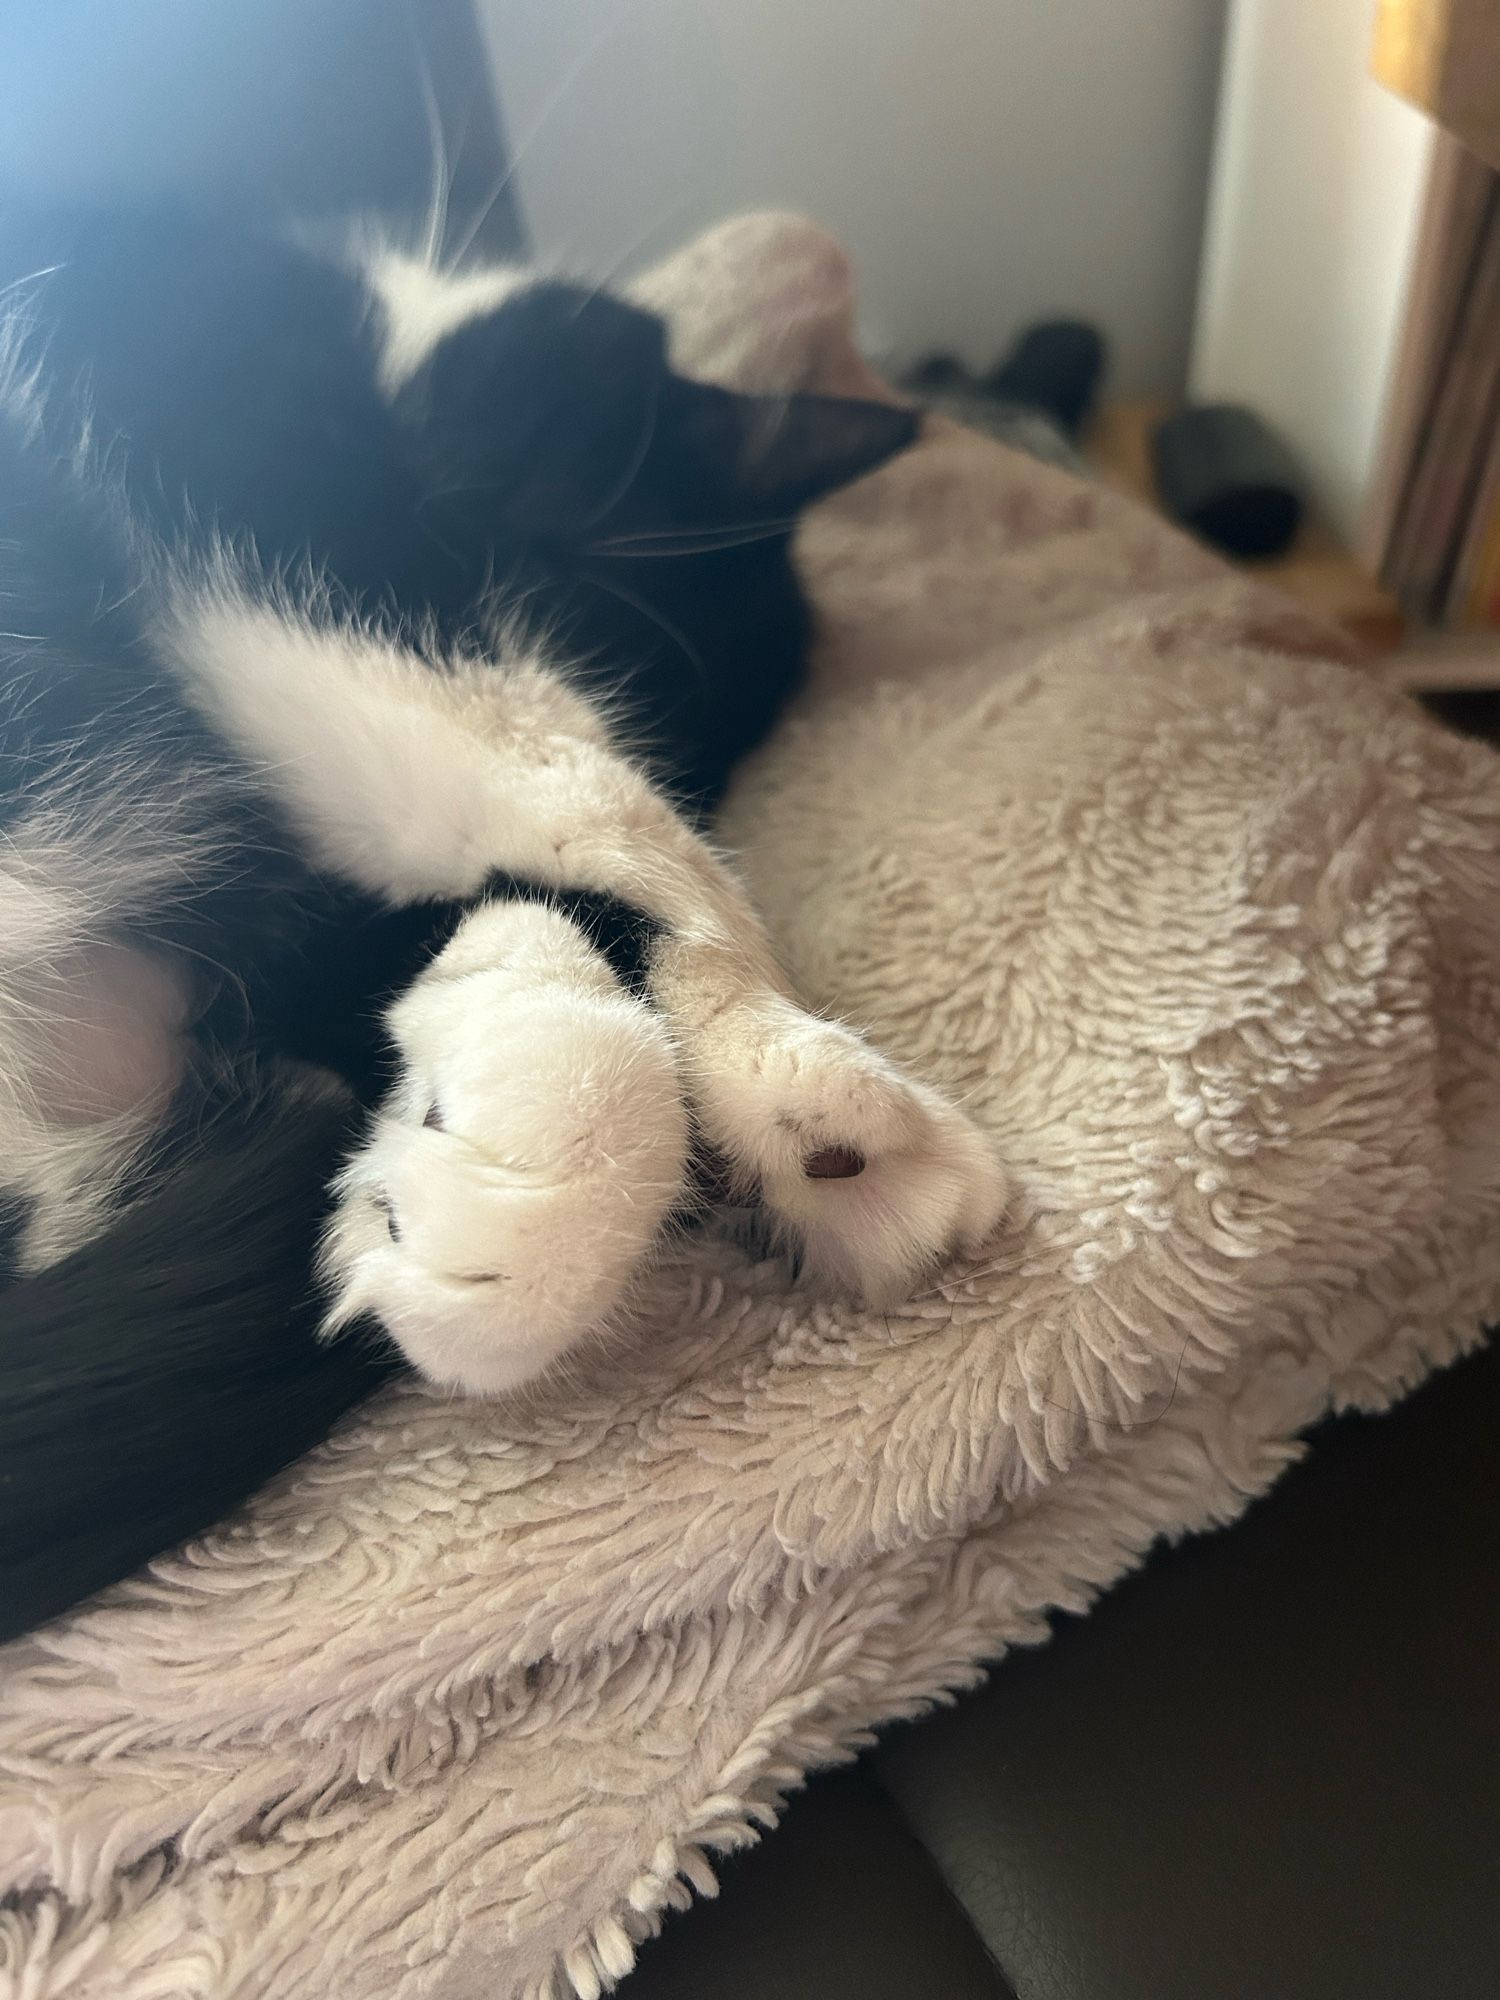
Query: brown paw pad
[[834, 1163]]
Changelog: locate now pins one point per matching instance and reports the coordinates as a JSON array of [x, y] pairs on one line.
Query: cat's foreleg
[[874, 1175], [417, 783], [522, 1168]]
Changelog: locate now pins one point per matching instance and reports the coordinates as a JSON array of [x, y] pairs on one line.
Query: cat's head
[[557, 415]]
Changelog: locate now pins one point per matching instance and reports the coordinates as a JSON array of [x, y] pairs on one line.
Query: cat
[[377, 636]]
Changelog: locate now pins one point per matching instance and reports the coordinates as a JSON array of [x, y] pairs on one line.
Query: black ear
[[536, 416], [778, 454]]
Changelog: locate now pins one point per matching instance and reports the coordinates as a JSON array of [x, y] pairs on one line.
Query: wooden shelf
[[1446, 663], [1444, 57]]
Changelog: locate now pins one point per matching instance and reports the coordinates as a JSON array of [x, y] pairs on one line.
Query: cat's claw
[[524, 1166], [875, 1176]]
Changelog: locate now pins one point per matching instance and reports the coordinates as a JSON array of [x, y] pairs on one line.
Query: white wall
[[986, 161], [1318, 177]]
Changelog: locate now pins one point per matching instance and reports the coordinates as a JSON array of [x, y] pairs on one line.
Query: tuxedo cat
[[374, 636]]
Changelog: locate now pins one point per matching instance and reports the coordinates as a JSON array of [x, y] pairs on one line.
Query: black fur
[[133, 1420], [621, 932], [640, 522], [546, 454], [88, 716], [645, 521]]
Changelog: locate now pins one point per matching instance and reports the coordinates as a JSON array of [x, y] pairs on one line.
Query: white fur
[[780, 1086], [490, 1246], [21, 396], [419, 304], [90, 1045], [91, 1031], [522, 1222], [415, 781], [381, 785]]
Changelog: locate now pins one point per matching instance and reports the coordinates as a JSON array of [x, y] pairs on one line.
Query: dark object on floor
[[940, 375], [1266, 1765], [1036, 399], [1055, 366], [1224, 475]]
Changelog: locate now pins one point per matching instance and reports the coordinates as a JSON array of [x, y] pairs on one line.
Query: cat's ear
[[780, 453]]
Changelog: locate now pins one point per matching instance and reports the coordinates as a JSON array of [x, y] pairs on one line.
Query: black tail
[[155, 1378]]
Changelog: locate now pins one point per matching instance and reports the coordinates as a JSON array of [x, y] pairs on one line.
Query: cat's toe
[[877, 1177], [521, 1173]]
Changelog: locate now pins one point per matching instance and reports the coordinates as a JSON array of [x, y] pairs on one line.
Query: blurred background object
[[1444, 56], [1432, 525], [1223, 474], [1312, 225]]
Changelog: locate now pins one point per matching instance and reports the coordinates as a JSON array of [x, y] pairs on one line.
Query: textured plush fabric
[[1207, 930]]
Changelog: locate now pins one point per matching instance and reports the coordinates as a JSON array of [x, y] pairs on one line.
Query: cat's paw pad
[[523, 1168], [877, 1177]]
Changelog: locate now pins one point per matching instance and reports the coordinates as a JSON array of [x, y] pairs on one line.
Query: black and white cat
[[373, 635]]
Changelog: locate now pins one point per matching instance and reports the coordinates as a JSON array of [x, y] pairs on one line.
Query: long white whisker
[[27, 278], [685, 542], [632, 249], [757, 523], [455, 157], [637, 459], [485, 211], [442, 176], [550, 103]]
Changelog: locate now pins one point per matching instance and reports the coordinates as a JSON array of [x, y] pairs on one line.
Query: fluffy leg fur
[[420, 784], [523, 1167]]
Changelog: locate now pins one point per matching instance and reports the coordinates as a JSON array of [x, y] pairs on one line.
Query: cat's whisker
[[522, 146], [28, 278], [486, 209], [442, 172], [637, 459], [766, 524], [628, 547], [648, 611], [630, 253]]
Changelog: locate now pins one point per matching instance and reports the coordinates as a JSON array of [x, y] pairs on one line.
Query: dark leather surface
[[1266, 1767], [839, 1903]]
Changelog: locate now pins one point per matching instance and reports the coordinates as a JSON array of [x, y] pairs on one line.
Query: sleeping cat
[[374, 635]]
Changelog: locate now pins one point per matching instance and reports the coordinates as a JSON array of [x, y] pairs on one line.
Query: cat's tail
[[155, 1377]]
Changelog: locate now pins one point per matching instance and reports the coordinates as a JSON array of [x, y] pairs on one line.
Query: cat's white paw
[[875, 1175], [522, 1170]]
